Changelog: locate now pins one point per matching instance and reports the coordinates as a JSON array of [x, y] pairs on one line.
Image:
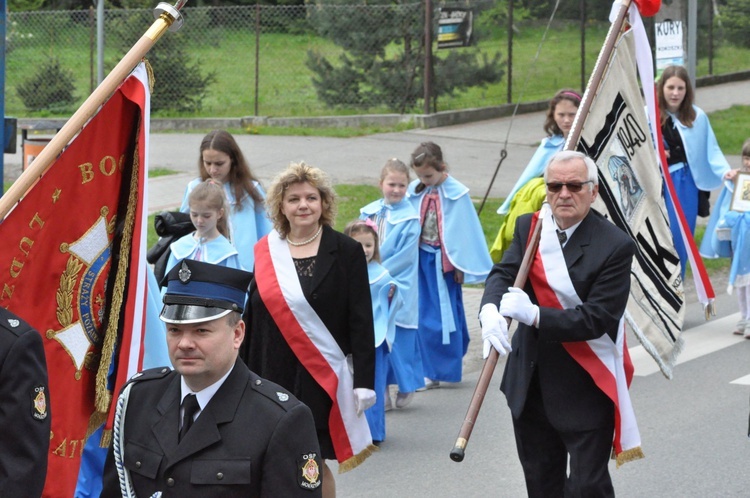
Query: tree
[[735, 18], [383, 57], [49, 89], [180, 83]]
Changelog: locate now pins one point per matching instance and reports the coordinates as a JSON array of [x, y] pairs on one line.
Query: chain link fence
[[314, 59]]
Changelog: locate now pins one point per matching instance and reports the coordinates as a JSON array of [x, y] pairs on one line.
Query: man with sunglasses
[[574, 297]]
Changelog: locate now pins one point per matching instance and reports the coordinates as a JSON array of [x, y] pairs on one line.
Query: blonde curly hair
[[300, 173]]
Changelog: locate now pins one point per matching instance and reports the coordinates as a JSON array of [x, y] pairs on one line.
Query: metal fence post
[[257, 55], [92, 47], [510, 51], [427, 55], [583, 45]]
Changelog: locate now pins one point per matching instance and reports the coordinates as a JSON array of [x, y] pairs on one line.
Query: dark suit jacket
[[250, 440], [340, 295], [598, 256], [24, 408]]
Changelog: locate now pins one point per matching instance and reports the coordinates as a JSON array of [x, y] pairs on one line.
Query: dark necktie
[[191, 407], [562, 236]]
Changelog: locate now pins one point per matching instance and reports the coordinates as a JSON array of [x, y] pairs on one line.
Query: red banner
[[57, 271]]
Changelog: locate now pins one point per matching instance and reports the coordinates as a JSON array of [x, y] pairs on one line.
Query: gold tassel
[[103, 398], [95, 421], [630, 455], [354, 461], [150, 73], [106, 438]]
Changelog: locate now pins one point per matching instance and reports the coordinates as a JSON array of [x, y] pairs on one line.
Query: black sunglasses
[[573, 188]]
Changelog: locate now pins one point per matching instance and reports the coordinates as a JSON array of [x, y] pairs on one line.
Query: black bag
[[170, 226], [704, 203]]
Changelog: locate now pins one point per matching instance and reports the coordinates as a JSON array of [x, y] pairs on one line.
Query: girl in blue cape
[[529, 192], [385, 303], [452, 251], [209, 242], [398, 232], [693, 154], [221, 160], [728, 235]]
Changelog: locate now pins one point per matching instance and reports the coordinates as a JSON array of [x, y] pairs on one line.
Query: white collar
[[204, 395]]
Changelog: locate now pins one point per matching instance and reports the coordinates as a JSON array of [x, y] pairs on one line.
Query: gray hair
[[565, 156]]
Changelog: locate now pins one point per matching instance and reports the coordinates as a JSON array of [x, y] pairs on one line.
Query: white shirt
[[203, 396]]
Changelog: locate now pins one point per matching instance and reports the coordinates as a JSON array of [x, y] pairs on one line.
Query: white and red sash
[[313, 345], [606, 361]]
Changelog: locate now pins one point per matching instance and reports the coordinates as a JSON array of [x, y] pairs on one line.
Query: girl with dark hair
[[222, 161]]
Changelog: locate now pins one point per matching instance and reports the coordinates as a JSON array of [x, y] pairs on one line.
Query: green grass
[[156, 172], [284, 82], [350, 199], [732, 128]]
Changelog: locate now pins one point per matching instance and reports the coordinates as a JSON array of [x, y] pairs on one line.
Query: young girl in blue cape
[[693, 154], [398, 232], [222, 161], [209, 242], [385, 302], [452, 251], [737, 245]]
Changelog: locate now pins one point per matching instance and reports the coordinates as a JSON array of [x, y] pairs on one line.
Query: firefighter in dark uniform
[[24, 408], [211, 427]]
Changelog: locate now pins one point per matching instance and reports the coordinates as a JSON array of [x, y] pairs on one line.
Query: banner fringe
[[629, 456], [353, 462], [106, 440], [665, 363]]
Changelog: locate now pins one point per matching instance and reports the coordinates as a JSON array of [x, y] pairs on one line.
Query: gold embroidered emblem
[[310, 471]]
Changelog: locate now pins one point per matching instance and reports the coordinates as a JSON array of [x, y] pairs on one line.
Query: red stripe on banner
[[307, 353]]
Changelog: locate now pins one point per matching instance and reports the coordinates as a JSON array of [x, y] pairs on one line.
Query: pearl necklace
[[305, 242]]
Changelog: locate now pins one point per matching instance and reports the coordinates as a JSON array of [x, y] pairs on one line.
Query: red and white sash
[[314, 346], [606, 361]]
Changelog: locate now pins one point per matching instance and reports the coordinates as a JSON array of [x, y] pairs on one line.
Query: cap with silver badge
[[198, 292]]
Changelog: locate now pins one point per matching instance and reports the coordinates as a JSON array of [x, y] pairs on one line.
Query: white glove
[[516, 304], [494, 331], [363, 399]]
